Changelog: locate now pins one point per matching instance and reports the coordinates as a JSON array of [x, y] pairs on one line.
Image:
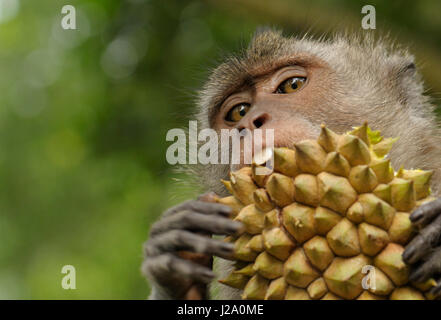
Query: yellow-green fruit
[[330, 222]]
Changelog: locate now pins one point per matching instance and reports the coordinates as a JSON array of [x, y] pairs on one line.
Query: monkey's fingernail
[[235, 227], [227, 247], [208, 197], [436, 291], [408, 253], [208, 274], [225, 210], [240, 230], [415, 216]]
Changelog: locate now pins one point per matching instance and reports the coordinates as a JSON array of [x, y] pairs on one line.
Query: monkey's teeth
[[263, 157]]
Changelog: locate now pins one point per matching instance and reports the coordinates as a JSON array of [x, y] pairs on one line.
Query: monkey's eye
[[237, 112], [291, 85]]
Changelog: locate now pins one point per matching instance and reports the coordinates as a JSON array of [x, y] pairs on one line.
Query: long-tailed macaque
[[292, 85]]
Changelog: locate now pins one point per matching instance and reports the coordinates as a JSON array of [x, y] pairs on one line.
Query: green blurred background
[[84, 113]]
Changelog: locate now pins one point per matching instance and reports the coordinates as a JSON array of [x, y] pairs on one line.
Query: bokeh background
[[84, 113]]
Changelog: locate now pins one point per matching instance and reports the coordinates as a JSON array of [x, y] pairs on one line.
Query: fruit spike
[[420, 178], [335, 193], [391, 263], [306, 189], [262, 200], [329, 208], [362, 133], [268, 266], [383, 170], [337, 164], [235, 280], [363, 179], [256, 288], [252, 218], [277, 243], [344, 276], [403, 194], [248, 270], [242, 185], [383, 191], [299, 221], [401, 229], [310, 156], [383, 286], [281, 189], [318, 252], [242, 251], [328, 139], [343, 239], [354, 150], [276, 289], [297, 271], [383, 147], [285, 162], [317, 289], [256, 243]]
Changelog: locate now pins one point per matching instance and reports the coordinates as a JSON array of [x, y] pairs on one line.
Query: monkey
[[293, 85]]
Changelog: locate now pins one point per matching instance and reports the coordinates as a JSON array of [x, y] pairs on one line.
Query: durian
[[331, 207]]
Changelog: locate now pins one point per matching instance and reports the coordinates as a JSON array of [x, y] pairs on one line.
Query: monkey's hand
[[178, 255], [424, 251]]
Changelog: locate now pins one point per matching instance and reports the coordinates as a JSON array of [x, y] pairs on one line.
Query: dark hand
[[424, 251], [173, 273]]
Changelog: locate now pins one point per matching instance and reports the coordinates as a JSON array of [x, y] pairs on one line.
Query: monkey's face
[[291, 99]]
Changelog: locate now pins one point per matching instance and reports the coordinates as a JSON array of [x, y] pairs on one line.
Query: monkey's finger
[[178, 240], [208, 197], [426, 213], [422, 244], [199, 206], [195, 221], [428, 268], [436, 291], [164, 265]]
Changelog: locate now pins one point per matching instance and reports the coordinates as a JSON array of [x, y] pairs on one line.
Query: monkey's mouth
[[262, 157]]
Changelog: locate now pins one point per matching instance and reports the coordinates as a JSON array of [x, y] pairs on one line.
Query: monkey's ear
[[409, 69], [403, 69]]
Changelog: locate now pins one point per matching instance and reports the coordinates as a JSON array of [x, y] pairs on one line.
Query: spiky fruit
[[329, 223]]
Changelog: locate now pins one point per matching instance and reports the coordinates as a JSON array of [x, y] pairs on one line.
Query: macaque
[[293, 85]]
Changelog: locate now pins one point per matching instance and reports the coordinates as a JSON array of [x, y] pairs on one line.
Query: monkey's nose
[[260, 120]]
